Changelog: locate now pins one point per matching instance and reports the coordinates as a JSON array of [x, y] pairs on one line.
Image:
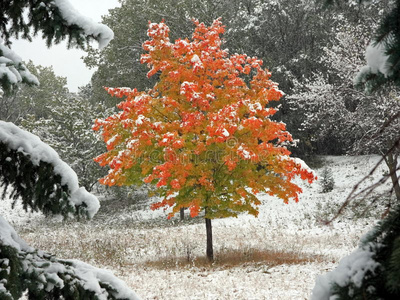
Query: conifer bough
[[55, 20], [36, 174]]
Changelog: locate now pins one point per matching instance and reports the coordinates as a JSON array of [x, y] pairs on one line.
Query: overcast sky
[[66, 63]]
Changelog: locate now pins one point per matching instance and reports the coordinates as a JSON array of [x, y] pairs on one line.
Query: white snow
[[9, 237], [30, 144], [91, 275], [254, 107], [14, 75], [138, 98], [10, 73], [187, 86], [351, 268], [73, 16], [294, 228], [88, 274], [197, 63], [303, 165], [246, 154], [8, 53], [140, 119], [377, 61], [3, 289], [151, 30], [111, 140], [210, 96], [225, 132], [195, 59]]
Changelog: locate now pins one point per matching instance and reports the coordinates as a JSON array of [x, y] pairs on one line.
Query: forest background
[[313, 53]]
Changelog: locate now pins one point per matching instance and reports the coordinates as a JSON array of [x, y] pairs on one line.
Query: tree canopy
[[204, 133]]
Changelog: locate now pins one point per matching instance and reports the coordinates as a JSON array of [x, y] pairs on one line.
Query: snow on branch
[[351, 270], [102, 32], [31, 146], [377, 62], [53, 275], [56, 20], [8, 237], [12, 68]]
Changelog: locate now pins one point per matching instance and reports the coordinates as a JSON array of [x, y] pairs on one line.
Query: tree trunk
[[182, 213], [392, 164], [210, 251]]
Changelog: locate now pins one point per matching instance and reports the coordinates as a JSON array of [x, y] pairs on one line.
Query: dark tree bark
[[210, 251], [182, 213], [392, 164]]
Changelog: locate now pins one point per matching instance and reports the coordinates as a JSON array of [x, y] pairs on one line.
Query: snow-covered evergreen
[[371, 271], [43, 275], [42, 181], [56, 20], [16, 145], [36, 175]]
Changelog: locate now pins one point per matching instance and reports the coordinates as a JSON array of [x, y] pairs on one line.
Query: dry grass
[[119, 247], [93, 245], [230, 258]]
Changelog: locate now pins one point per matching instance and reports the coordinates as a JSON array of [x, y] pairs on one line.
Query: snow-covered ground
[[275, 256]]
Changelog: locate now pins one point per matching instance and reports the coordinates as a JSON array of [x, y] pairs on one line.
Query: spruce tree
[[371, 272], [36, 175], [33, 172], [327, 182], [55, 20], [383, 53]]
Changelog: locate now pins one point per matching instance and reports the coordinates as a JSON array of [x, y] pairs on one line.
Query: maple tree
[[203, 134]]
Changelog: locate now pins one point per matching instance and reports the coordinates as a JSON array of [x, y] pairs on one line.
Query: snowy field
[[275, 256]]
